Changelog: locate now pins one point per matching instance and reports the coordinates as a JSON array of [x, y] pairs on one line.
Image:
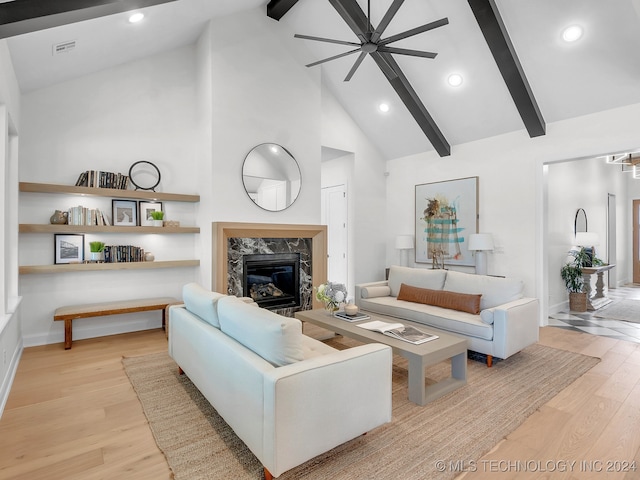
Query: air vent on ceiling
[[64, 47]]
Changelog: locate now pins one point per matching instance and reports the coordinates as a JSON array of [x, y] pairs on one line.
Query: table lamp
[[480, 243]]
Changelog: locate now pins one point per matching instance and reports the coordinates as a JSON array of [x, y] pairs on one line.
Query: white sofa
[[505, 322], [287, 396]]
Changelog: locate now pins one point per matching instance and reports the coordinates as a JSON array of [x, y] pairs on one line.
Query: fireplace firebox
[[272, 280]]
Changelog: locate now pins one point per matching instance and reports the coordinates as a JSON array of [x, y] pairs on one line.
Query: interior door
[[334, 216], [636, 241]]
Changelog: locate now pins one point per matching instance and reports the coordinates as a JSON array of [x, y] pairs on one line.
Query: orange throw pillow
[[463, 302]]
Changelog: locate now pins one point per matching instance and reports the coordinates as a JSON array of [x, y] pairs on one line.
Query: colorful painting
[[446, 214]]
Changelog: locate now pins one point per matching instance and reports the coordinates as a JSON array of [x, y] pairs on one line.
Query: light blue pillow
[[275, 338], [202, 302]]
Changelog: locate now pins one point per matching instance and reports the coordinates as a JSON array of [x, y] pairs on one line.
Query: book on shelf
[[399, 331], [98, 179], [352, 318]]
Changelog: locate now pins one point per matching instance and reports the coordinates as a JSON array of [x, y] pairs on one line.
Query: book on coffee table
[[352, 318], [399, 331]]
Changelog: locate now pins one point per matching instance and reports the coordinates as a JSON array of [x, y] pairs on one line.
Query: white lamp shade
[[480, 241], [404, 242], [587, 239]]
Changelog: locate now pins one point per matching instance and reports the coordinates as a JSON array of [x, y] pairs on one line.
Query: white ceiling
[[599, 72]]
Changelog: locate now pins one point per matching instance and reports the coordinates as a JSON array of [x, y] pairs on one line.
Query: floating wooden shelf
[[43, 228], [106, 192], [85, 267]]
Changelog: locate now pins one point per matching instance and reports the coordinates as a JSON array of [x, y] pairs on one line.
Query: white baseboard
[[81, 332], [7, 382]]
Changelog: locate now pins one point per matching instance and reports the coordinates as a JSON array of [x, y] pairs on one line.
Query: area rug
[[625, 310], [461, 426]]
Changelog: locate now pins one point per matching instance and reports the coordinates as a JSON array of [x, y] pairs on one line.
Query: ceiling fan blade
[[355, 66], [328, 40], [386, 20], [333, 58], [406, 51], [353, 16], [415, 31], [386, 68]]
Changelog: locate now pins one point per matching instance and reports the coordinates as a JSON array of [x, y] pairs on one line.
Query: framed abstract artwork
[[446, 214], [125, 213]]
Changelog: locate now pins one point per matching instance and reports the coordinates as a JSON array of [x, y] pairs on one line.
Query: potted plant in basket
[[157, 217], [97, 251], [571, 273]]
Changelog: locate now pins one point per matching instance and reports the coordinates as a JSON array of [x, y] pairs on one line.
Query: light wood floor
[[73, 415]]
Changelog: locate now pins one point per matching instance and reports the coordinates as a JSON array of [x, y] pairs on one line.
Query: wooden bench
[[74, 312]]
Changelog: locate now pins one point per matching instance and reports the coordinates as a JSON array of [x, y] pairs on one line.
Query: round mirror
[[271, 177], [580, 222]]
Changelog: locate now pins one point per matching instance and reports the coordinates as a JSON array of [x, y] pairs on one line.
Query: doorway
[[333, 214], [636, 241]]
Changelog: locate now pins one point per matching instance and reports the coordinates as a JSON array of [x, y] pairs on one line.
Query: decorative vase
[[331, 307], [59, 218], [148, 257], [97, 256], [157, 223], [351, 309]]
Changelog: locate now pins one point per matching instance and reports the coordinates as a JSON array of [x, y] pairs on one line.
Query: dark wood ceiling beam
[[499, 42], [351, 12], [277, 9], [415, 106], [25, 16]]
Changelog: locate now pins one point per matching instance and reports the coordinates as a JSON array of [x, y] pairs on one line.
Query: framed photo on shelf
[[125, 213], [446, 214], [145, 209], [68, 248]]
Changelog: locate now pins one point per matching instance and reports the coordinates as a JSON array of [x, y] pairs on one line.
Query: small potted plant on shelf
[[97, 251], [157, 217], [571, 273]]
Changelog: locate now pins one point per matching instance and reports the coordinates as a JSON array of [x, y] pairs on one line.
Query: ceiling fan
[[371, 41]]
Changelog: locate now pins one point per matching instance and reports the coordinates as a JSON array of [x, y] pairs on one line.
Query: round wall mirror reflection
[[271, 177]]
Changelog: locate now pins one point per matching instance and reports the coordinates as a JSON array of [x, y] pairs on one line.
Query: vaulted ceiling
[[518, 73]]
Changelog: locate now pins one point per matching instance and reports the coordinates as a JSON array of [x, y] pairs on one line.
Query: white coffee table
[[445, 347]]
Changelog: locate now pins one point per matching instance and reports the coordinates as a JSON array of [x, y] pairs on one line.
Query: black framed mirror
[[580, 222], [271, 177]]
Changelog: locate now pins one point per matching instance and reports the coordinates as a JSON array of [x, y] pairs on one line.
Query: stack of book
[[123, 253], [96, 178], [86, 216]]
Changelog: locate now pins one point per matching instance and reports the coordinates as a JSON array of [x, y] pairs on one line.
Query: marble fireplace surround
[[223, 231]]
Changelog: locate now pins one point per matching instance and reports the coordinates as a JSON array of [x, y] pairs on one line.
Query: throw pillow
[[375, 291], [202, 302], [275, 338], [462, 302]]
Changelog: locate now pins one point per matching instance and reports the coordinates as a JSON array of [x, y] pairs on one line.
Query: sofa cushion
[[202, 302], [443, 318], [495, 290], [275, 338], [463, 302], [375, 291], [417, 277]]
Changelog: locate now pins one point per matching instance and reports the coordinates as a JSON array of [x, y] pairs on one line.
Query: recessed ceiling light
[[572, 33], [136, 17], [383, 107], [455, 80], [274, 149]]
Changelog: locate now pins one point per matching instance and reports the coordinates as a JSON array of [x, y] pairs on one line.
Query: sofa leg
[[489, 360], [267, 474], [180, 371]]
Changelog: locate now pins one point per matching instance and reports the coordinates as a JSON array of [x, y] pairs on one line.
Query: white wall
[[510, 168], [256, 97], [583, 184], [143, 110], [367, 190], [10, 311]]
